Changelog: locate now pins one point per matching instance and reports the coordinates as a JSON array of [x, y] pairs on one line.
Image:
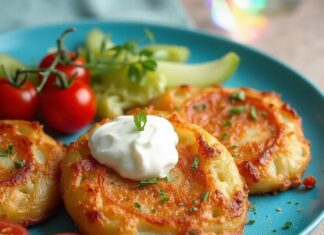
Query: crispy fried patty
[[263, 134], [203, 194], [29, 179]]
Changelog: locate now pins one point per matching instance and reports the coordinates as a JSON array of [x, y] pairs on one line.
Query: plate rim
[[319, 218]]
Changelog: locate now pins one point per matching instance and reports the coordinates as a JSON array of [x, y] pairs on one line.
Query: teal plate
[[256, 70]]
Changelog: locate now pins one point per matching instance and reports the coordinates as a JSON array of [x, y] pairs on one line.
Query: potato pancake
[[29, 172], [203, 194], [263, 134]]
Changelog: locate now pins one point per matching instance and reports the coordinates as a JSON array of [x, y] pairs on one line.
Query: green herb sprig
[[140, 120]]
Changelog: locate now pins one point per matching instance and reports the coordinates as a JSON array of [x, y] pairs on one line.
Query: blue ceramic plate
[[257, 70]]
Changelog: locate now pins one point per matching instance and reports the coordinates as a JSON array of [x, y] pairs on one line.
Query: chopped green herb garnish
[[19, 164], [250, 222], [153, 211], [192, 232], [264, 113], [137, 205], [234, 147], [195, 202], [144, 183], [228, 123], [177, 107], [253, 114], [236, 110], [162, 192], [193, 209], [164, 199], [195, 163], [253, 208], [287, 225], [238, 96], [224, 136], [140, 120], [7, 152], [200, 107], [204, 196]]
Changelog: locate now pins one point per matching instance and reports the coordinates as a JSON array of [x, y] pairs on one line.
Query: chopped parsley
[[153, 211], [140, 120], [287, 225], [228, 123], [253, 208], [195, 202], [253, 113], [238, 96], [234, 147], [224, 136], [264, 113], [19, 164], [236, 110], [162, 192], [164, 199], [144, 183], [204, 196], [200, 107], [7, 152], [195, 163], [250, 222], [193, 209], [138, 206]]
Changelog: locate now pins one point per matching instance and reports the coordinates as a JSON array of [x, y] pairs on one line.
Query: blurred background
[[292, 30]]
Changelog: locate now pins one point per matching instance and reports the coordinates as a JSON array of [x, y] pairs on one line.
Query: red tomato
[[82, 74], [309, 182], [8, 228], [18, 102], [68, 110]]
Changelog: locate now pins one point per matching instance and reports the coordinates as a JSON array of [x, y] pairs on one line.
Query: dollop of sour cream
[[137, 155]]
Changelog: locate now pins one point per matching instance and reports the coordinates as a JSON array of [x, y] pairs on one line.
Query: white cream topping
[[137, 155]]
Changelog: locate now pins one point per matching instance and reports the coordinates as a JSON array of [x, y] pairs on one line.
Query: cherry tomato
[[8, 228], [70, 109], [309, 182], [18, 102], [70, 71]]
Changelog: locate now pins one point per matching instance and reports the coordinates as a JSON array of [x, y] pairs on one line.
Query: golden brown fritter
[[29, 179], [208, 197], [263, 134]]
